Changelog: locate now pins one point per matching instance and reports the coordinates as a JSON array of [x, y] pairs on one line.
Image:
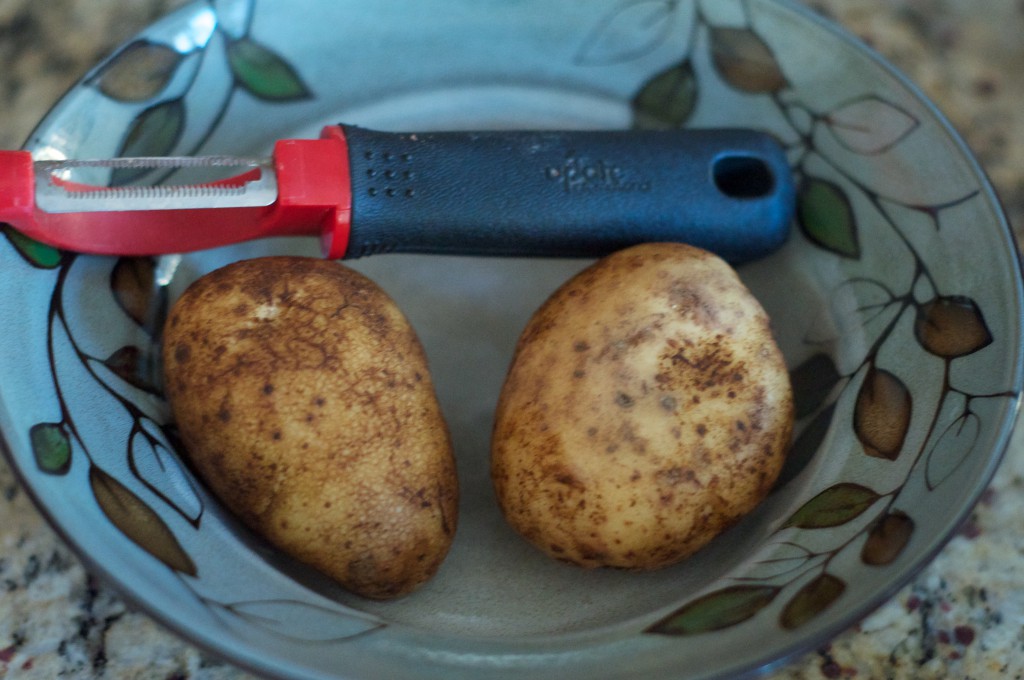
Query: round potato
[[303, 399], [646, 410]]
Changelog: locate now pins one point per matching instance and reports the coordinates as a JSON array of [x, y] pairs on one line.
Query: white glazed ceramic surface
[[897, 303]]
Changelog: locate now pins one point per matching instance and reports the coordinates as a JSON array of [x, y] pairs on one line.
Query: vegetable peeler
[[511, 193]]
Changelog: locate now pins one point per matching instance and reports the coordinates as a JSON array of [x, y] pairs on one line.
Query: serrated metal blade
[[72, 186]]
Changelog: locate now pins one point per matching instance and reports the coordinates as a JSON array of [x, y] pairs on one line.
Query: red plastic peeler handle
[[313, 198]]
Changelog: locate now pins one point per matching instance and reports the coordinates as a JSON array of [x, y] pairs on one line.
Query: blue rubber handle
[[567, 194]]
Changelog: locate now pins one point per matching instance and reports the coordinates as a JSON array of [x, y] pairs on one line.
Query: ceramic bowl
[[896, 301]]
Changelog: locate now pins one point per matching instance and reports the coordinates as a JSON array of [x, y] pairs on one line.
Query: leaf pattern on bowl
[[52, 448], [826, 217], [869, 125], [33, 252], [668, 99], [264, 73], [141, 71], [154, 132], [721, 609], [744, 60], [138, 521], [143, 489], [949, 326], [296, 620], [138, 71], [631, 30], [157, 496]]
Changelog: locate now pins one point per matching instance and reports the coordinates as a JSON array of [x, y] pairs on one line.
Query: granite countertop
[[962, 617]]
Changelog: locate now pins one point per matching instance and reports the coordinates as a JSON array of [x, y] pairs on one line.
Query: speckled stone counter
[[962, 617]]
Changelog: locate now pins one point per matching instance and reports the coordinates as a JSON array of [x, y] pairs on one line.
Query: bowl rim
[[778, 658]]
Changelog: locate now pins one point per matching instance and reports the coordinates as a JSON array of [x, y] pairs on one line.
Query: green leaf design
[[811, 600], [826, 217], [887, 539], [833, 507], [154, 132], [35, 253], [745, 61], [51, 448], [951, 327], [717, 610], [806, 446], [264, 73], [138, 521], [138, 72], [881, 417], [667, 100], [813, 381]]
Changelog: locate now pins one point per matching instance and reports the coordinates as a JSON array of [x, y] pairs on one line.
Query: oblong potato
[[303, 399], [647, 409]]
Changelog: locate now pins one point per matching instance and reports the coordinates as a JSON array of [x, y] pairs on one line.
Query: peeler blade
[[72, 186]]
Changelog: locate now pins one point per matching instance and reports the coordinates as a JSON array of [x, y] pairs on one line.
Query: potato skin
[[647, 409], [303, 399]]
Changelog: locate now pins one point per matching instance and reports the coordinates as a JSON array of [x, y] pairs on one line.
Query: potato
[[303, 399], [647, 409]]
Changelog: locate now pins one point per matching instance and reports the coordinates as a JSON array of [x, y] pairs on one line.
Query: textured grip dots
[[388, 174]]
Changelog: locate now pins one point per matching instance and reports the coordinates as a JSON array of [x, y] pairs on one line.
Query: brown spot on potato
[[182, 352], [269, 339], [660, 479]]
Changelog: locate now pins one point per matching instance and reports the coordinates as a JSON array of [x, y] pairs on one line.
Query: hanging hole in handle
[[742, 176]]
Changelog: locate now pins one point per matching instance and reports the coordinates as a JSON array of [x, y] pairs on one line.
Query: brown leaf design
[[717, 610], [138, 72], [951, 327], [811, 600], [133, 366], [870, 125], [881, 417], [133, 283], [667, 100], [887, 539], [138, 521], [745, 61], [833, 507]]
